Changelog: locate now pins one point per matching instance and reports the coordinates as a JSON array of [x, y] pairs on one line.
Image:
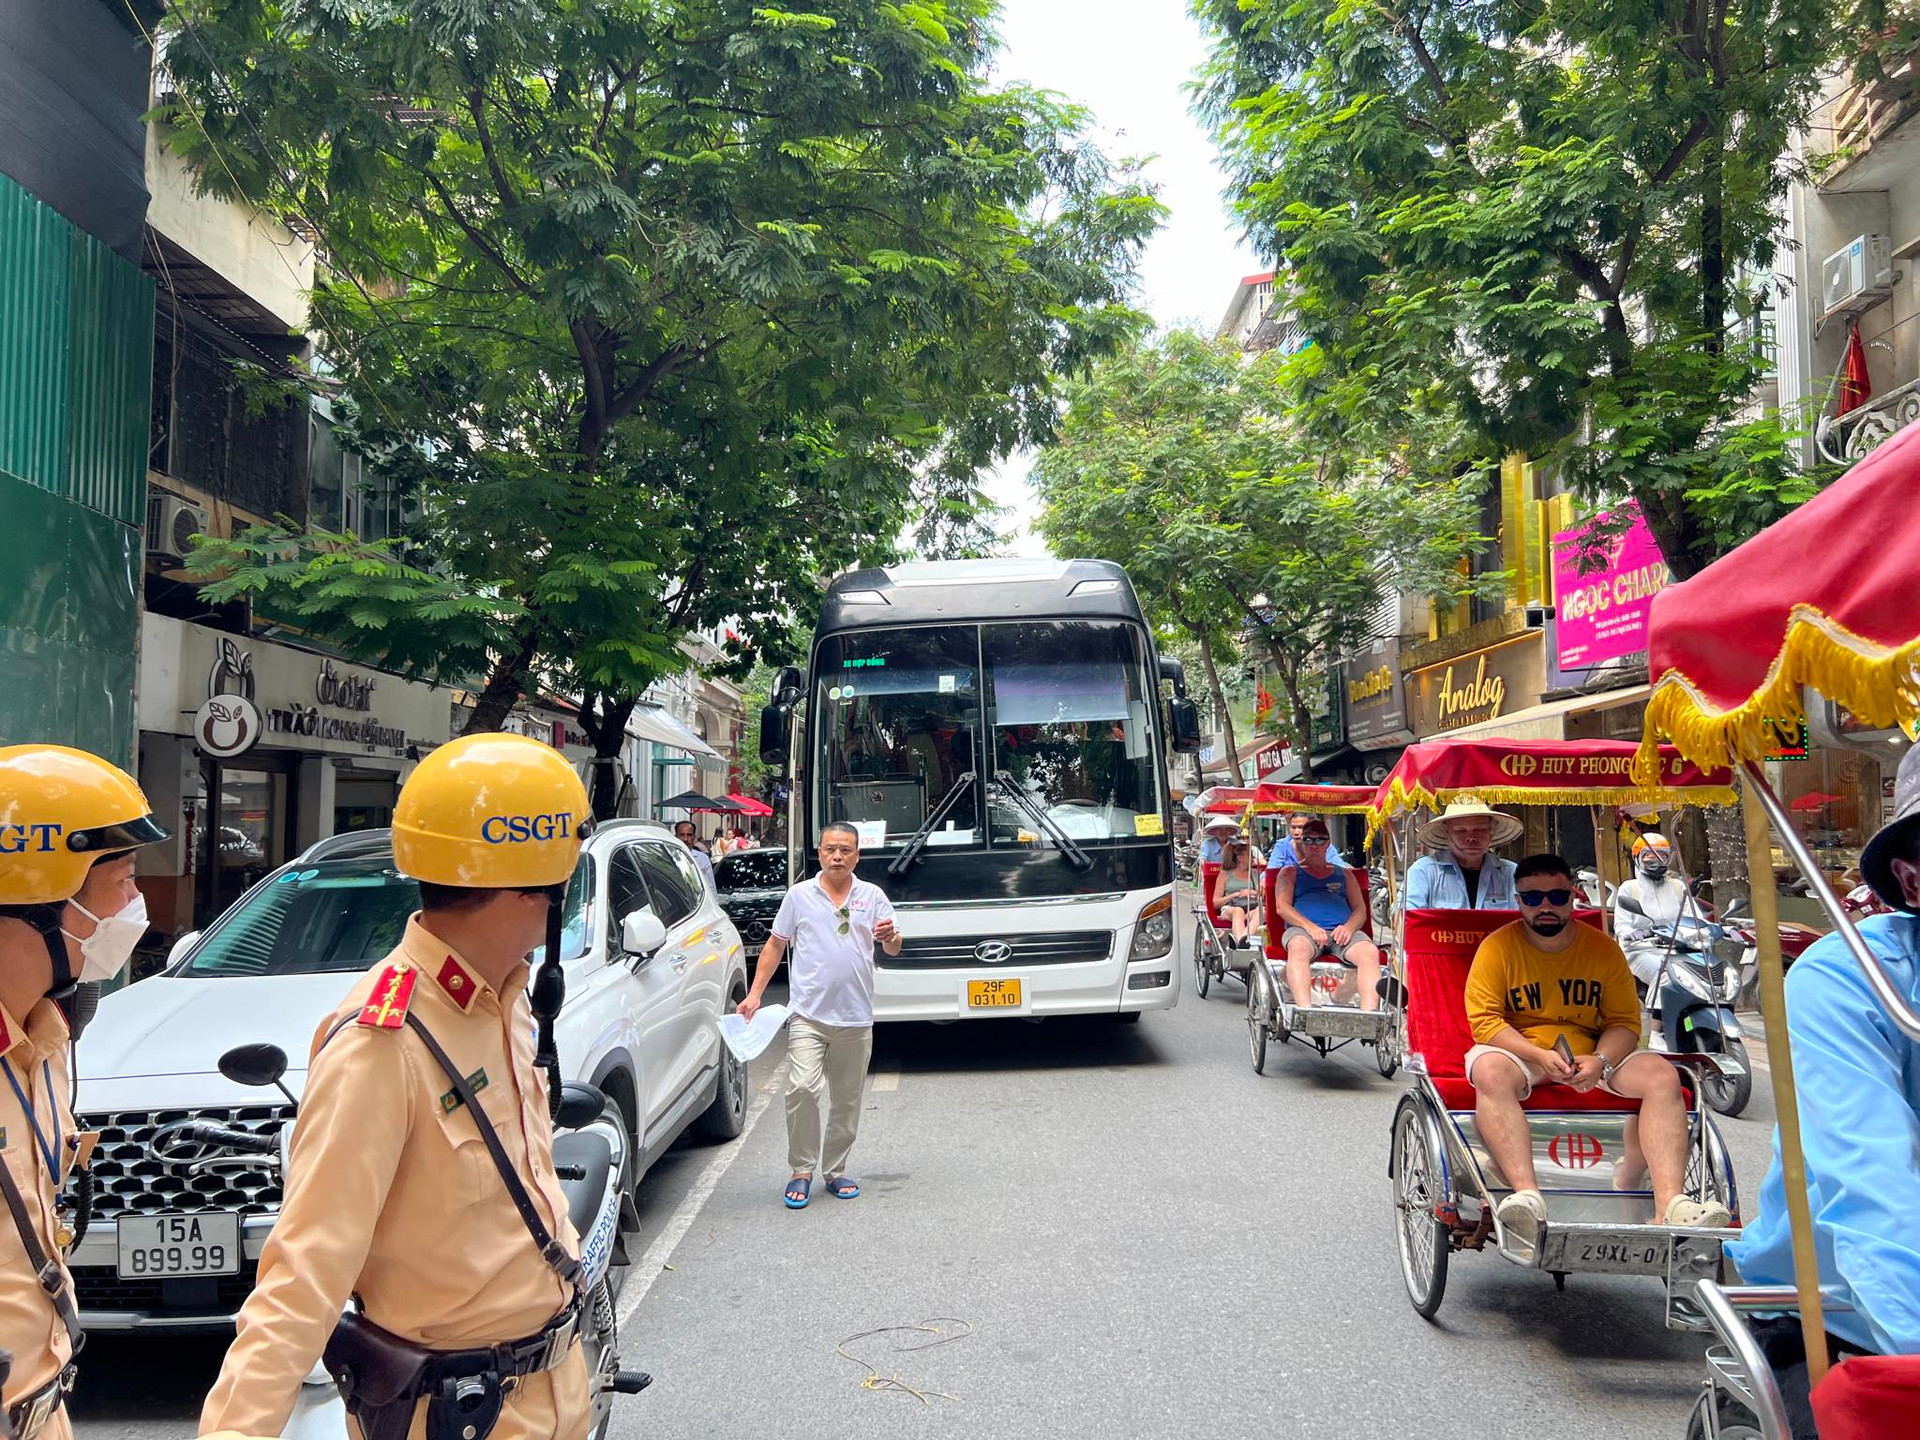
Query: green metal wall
[[76, 356]]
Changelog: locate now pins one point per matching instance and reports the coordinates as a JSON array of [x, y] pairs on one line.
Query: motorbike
[[592, 1155], [1691, 999]]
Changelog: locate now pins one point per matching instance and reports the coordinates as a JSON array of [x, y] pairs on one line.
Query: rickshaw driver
[[1464, 875], [1324, 911], [1542, 979], [1287, 850], [1859, 1081]]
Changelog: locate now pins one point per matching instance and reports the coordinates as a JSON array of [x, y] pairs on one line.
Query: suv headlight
[[1153, 931]]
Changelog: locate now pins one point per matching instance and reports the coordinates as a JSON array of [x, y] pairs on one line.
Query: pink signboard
[[1602, 613]]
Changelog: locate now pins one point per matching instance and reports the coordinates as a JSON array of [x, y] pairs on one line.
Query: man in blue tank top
[[1323, 909]]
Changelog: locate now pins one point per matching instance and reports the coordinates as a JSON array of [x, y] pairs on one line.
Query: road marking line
[[653, 1263], [885, 1081]]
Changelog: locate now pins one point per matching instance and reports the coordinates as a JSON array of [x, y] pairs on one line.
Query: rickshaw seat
[[1868, 1396], [1278, 951], [1210, 872], [1440, 946]]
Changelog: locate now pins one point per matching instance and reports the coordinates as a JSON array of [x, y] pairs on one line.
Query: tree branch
[[475, 108], [486, 246]]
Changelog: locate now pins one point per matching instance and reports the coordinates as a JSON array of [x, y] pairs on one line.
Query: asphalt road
[[1124, 1230]]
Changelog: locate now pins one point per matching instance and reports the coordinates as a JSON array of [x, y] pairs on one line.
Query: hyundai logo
[[993, 952]]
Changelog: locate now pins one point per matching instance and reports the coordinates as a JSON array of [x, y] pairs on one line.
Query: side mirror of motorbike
[[255, 1065], [580, 1104], [1631, 905], [641, 933]]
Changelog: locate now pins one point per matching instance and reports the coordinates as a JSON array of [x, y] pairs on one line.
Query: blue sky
[[1128, 61]]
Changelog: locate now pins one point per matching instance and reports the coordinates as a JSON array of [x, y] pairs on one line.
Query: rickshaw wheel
[[1256, 1028], [1423, 1239], [1732, 1421], [1386, 1050], [1710, 1183], [1202, 974]]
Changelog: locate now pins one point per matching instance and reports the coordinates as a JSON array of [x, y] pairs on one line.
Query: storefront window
[[240, 832], [1834, 799]]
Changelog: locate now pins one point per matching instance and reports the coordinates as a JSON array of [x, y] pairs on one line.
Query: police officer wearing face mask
[[420, 1184], [69, 919]]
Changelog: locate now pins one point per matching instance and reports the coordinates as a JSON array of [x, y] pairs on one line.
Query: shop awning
[[652, 723], [1548, 721], [749, 805]]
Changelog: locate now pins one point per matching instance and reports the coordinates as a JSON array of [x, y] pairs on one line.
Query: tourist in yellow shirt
[[1544, 979]]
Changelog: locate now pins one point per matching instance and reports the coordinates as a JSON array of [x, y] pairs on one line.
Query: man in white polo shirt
[[832, 922]]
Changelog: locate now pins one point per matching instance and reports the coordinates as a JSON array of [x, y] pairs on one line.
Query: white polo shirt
[[830, 975]]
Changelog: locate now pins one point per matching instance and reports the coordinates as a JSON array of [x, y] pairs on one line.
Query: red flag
[[1855, 384]]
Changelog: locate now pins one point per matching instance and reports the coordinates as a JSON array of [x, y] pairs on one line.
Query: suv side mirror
[[774, 722], [641, 933], [1183, 724], [178, 950]]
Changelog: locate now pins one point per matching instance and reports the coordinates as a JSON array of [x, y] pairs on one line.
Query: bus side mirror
[[1183, 724], [775, 720], [786, 686], [1174, 672]]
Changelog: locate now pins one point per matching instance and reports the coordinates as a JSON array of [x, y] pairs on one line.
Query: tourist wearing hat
[[1219, 829], [1859, 1083], [1464, 874]]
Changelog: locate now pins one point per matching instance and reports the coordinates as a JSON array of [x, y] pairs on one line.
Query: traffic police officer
[[395, 1195], [70, 916]]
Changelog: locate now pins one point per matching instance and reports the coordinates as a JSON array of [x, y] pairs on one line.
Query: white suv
[[641, 1026]]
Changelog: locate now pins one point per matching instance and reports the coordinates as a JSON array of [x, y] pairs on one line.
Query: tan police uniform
[[30, 1327], [391, 1196]]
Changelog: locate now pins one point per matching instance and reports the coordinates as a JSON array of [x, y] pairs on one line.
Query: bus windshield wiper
[[1076, 856], [918, 840]]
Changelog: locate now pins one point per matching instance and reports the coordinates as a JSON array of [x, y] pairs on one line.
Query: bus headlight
[[1153, 932]]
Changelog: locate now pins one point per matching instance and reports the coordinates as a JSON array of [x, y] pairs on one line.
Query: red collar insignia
[[458, 982]]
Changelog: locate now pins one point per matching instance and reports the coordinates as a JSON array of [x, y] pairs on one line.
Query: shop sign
[[228, 688], [1269, 758], [1375, 694], [1602, 614], [1787, 740], [1477, 688]]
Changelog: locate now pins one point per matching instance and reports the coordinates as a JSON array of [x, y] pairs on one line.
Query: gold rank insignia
[[386, 1008]]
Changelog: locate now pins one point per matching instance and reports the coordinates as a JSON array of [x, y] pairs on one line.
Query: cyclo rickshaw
[[1335, 1018], [1213, 958], [1445, 1184], [1821, 602]]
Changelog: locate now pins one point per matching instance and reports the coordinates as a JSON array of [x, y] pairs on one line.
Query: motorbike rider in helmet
[[420, 1183], [70, 916], [1661, 898]]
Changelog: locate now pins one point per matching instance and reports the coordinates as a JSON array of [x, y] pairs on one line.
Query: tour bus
[[993, 730]]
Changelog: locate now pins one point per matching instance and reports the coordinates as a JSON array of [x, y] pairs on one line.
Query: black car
[[751, 884]]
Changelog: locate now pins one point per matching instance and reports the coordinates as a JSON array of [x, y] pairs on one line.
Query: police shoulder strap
[[45, 1269]]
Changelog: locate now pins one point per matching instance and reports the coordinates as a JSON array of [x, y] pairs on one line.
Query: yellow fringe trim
[[1879, 685], [1400, 799]]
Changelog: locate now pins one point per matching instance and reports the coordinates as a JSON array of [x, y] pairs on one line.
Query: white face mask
[[104, 954]]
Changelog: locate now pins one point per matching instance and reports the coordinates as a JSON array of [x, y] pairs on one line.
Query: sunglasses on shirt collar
[[846, 919], [1533, 899]]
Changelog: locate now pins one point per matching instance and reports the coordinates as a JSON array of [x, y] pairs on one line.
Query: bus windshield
[[1062, 712]]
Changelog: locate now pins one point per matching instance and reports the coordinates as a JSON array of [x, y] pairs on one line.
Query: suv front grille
[[956, 952], [129, 1179], [100, 1288]]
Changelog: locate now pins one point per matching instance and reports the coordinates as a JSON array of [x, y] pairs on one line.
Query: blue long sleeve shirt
[[1434, 882], [1859, 1085]]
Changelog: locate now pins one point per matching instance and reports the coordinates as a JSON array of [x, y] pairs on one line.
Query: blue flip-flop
[[841, 1188], [800, 1186]]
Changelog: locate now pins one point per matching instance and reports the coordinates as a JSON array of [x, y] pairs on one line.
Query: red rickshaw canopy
[[1824, 598], [1226, 800], [1540, 772], [1314, 799]]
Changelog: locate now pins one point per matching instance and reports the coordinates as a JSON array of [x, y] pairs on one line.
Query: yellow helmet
[[490, 812], [60, 810]]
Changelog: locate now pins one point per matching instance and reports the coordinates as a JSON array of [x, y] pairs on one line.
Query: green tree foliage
[[1560, 212], [658, 309], [1209, 477]]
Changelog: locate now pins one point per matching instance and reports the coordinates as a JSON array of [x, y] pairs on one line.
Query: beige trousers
[[824, 1063]]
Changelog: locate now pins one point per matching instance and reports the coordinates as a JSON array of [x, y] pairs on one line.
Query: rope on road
[[936, 1328]]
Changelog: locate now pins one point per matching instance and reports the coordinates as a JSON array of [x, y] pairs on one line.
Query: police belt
[[381, 1376], [29, 1414]]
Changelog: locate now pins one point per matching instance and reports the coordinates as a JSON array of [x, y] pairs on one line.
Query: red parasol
[[750, 806], [1824, 598], [1815, 801]]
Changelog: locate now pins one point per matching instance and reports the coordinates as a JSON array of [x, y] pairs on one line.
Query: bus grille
[[961, 952]]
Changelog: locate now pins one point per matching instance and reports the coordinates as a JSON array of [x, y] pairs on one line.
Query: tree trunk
[[506, 683], [1713, 249], [1302, 717], [604, 721], [1220, 707]]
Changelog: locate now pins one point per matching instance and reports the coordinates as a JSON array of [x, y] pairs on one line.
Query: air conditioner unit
[[1857, 277], [171, 525]]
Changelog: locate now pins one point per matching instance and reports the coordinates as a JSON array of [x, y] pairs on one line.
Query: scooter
[[1690, 1001], [592, 1155]]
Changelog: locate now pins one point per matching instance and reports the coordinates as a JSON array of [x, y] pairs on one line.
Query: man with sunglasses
[[1544, 980], [833, 921], [1325, 914]]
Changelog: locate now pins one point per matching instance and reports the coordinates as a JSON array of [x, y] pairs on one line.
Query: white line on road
[[654, 1261], [885, 1081]]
